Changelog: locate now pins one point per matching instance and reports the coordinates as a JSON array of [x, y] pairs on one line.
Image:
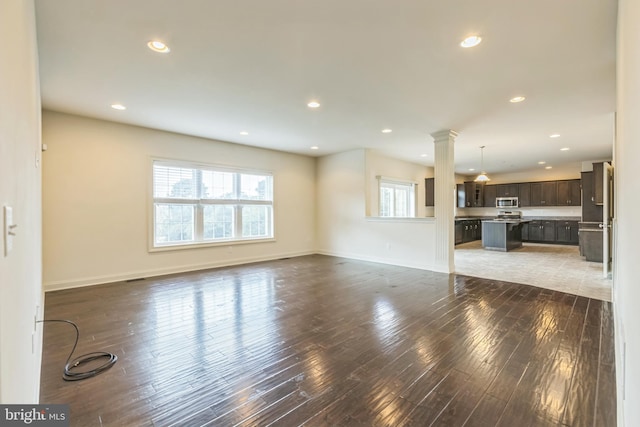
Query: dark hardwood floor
[[325, 341]]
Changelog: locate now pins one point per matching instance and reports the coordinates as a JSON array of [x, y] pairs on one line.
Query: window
[[196, 204], [397, 198]]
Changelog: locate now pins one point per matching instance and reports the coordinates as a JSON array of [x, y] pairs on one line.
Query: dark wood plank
[[319, 340]]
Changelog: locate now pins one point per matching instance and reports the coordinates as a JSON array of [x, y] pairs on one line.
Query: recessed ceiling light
[[158, 46], [548, 167], [554, 135], [313, 104], [542, 162], [471, 169], [244, 133], [516, 99], [423, 155], [386, 130], [471, 41], [565, 149], [118, 107], [315, 147]]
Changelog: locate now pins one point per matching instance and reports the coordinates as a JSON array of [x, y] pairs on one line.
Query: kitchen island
[[502, 234]]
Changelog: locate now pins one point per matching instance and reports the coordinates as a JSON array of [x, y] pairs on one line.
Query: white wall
[[378, 164], [96, 202], [345, 230], [626, 286], [20, 270]]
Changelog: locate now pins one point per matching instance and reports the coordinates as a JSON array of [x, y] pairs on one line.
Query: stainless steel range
[[505, 215]]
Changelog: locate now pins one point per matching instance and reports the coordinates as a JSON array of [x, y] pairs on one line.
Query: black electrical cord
[[70, 372]]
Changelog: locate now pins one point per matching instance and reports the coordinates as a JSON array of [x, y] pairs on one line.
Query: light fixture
[[158, 46], [541, 162], [119, 107], [548, 167], [471, 41], [423, 155], [471, 169], [483, 176], [387, 130], [244, 133], [565, 149], [516, 99], [554, 135], [313, 104], [315, 147]]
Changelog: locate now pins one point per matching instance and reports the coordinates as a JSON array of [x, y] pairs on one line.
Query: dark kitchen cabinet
[[590, 211], [459, 232], [525, 232], [598, 193], [461, 195], [548, 231], [490, 194], [569, 193], [542, 231], [507, 190], [544, 193], [567, 232], [467, 231], [429, 192], [473, 195], [524, 194]]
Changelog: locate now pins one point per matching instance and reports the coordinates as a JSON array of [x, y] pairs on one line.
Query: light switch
[[9, 230]]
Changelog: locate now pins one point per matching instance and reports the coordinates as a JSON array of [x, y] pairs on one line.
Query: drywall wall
[[378, 164], [344, 228], [20, 269], [626, 292], [96, 201]]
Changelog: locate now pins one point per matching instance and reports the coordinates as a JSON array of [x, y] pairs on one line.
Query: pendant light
[[483, 176]]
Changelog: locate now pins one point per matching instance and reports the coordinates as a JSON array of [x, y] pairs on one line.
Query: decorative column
[[444, 210]]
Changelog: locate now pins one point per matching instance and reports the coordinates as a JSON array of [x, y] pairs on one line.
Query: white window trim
[[209, 243], [388, 180]]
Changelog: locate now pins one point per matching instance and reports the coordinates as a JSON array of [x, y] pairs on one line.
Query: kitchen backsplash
[[573, 211]]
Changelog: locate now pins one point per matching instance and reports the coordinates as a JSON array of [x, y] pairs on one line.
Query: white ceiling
[[253, 65]]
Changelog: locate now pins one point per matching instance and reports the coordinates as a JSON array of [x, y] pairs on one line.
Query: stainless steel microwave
[[506, 202]]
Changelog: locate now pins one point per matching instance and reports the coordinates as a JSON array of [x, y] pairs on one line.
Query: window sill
[[400, 219], [179, 246]]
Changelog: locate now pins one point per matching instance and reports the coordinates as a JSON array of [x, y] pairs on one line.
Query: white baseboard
[[379, 260], [100, 280]]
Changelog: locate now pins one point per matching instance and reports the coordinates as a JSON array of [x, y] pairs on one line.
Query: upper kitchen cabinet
[[590, 211], [461, 195], [569, 193], [429, 190], [490, 194], [473, 194], [598, 190], [507, 190], [544, 193], [524, 194]]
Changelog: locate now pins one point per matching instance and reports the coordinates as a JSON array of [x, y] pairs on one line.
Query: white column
[[444, 210]]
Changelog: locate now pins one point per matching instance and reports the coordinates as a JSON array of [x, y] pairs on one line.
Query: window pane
[[397, 199], [218, 222], [173, 223], [386, 201], [218, 185], [256, 221], [256, 187], [177, 182]]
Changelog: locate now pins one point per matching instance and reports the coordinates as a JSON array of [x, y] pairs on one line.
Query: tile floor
[[556, 267]]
